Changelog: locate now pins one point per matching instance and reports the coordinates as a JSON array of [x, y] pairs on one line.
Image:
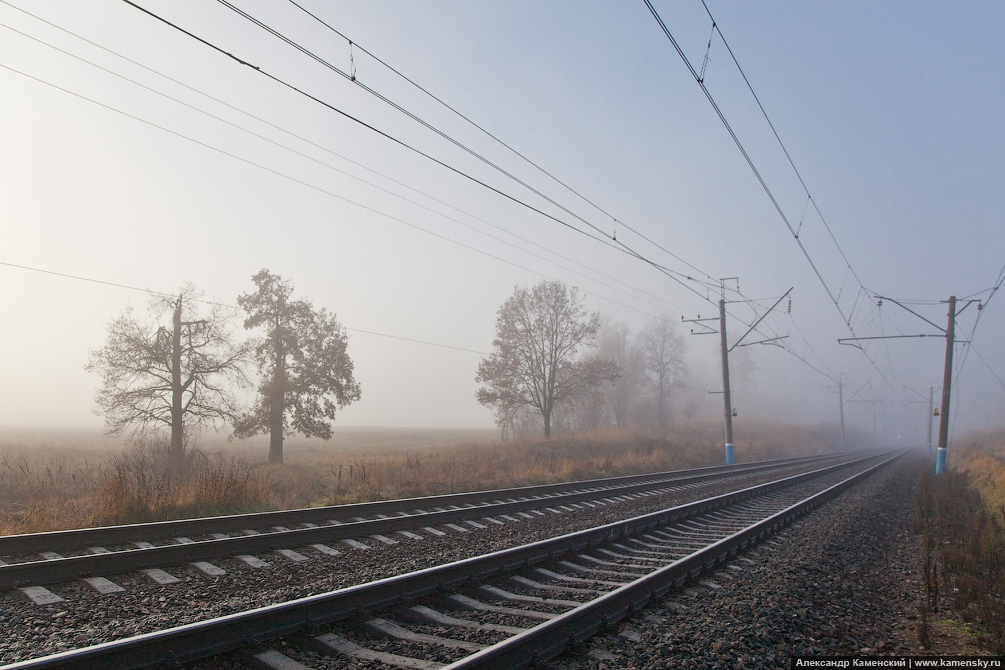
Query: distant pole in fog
[[841, 409], [947, 381], [728, 411], [931, 412], [727, 403]]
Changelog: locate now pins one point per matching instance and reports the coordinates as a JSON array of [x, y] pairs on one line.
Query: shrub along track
[[554, 639]]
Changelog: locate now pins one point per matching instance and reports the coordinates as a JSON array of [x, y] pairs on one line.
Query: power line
[[982, 307], [352, 202], [810, 199], [305, 183], [460, 145], [162, 294], [616, 245], [760, 179], [332, 167], [294, 179], [743, 151], [335, 169], [330, 193], [102, 282], [987, 365], [494, 137], [357, 120]]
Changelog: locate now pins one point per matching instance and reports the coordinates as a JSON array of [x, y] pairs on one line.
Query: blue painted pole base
[[940, 460], [729, 454]]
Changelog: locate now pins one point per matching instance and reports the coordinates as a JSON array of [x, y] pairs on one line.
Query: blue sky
[[890, 111]]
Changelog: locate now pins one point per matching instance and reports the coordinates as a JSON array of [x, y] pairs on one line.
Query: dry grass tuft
[[138, 488], [40, 489], [962, 526], [982, 457], [44, 488]]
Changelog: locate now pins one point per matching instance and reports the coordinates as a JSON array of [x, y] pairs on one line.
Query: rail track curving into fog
[[520, 604]]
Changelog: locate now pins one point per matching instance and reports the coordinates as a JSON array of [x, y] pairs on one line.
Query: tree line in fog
[[557, 366], [181, 368]]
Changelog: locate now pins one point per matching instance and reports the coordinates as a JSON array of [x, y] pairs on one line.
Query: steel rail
[[28, 543], [202, 639], [550, 639], [59, 570]]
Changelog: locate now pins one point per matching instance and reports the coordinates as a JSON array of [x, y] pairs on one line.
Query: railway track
[[96, 554], [520, 605]]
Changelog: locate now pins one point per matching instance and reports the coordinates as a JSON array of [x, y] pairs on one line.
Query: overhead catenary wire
[[627, 249], [384, 98], [810, 200], [493, 238], [299, 181], [603, 238], [826, 372], [305, 183], [983, 360], [848, 317], [455, 142], [982, 308], [420, 121], [336, 169], [760, 179], [162, 294], [842, 297], [739, 145], [354, 177], [615, 221]]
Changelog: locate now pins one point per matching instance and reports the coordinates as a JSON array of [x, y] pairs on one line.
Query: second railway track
[[656, 550], [34, 561]]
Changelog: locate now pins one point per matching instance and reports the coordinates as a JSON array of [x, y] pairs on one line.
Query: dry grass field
[[982, 457], [61, 479], [961, 519]]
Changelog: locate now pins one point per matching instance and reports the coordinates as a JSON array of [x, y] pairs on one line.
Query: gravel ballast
[[87, 618], [840, 581]]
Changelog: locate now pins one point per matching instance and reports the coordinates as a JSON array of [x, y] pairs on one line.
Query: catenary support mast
[[727, 402], [947, 382]]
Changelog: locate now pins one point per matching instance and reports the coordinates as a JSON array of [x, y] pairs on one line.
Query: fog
[[111, 185]]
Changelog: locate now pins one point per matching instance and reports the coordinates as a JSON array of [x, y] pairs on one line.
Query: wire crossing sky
[[567, 141]]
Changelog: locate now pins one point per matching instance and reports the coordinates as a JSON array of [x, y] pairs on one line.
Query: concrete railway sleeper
[[505, 609]]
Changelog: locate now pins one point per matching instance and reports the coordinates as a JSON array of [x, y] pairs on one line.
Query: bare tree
[[584, 412], [174, 377], [538, 332], [615, 344], [306, 371], [663, 359]]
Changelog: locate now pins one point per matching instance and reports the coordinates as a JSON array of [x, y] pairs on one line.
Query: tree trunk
[[663, 410], [176, 455], [277, 406], [276, 411], [276, 446], [547, 425]]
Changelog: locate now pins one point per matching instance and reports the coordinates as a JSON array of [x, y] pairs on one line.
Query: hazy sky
[[128, 172]]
